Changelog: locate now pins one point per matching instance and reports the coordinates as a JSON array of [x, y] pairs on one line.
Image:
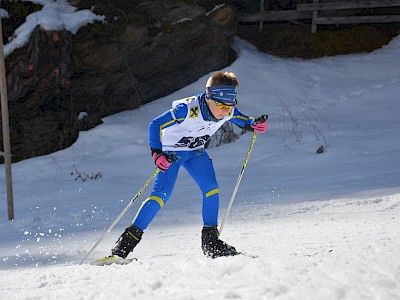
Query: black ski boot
[[212, 246], [127, 241]]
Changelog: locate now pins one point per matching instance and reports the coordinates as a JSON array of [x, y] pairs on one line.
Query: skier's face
[[219, 110]]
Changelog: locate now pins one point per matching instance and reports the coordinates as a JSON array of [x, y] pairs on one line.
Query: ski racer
[[177, 138]]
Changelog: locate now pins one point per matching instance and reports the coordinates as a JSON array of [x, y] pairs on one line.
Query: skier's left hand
[[260, 126]]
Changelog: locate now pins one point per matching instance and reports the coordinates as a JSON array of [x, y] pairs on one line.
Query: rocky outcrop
[[138, 55]]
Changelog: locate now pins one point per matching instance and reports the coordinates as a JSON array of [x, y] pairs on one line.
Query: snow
[[4, 14], [54, 15], [324, 226]]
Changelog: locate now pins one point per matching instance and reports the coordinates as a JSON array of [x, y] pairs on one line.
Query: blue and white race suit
[[183, 132]]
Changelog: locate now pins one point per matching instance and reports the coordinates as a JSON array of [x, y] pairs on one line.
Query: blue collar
[[205, 110]]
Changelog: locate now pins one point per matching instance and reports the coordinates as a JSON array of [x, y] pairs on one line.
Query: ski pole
[[122, 213], [253, 139]]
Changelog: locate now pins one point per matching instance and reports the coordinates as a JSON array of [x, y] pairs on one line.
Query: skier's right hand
[[161, 160]]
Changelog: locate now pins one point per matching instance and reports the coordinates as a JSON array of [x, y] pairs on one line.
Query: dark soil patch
[[293, 40]]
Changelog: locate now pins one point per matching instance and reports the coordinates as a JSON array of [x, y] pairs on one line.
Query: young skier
[[177, 138]]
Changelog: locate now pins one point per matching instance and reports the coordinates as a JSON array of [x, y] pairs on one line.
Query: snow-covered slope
[[324, 226]]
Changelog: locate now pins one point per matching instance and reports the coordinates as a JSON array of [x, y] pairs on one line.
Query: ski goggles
[[221, 105]]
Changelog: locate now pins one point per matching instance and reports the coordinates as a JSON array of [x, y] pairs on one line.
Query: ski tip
[[109, 260]]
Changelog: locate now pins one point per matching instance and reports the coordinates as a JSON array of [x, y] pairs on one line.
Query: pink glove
[[260, 127], [161, 161]]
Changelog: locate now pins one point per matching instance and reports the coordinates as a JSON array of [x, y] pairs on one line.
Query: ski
[[109, 260]]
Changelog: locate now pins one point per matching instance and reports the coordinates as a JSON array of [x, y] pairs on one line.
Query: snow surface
[[324, 226]]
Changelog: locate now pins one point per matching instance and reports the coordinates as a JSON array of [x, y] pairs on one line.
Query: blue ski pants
[[199, 165]]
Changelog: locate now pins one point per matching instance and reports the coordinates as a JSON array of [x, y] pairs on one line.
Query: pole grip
[[261, 119]]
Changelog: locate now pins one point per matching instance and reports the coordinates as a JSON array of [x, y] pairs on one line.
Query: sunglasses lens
[[222, 105]]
